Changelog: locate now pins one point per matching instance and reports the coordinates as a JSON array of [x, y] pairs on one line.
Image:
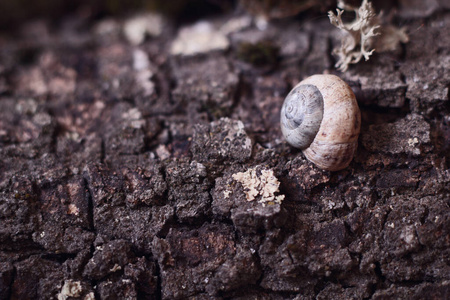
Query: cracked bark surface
[[116, 177]]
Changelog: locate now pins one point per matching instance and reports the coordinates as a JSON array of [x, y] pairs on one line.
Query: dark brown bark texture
[[117, 159]]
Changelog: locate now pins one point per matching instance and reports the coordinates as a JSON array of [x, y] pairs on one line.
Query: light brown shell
[[336, 141]]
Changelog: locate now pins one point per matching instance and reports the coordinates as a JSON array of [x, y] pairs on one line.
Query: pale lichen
[[364, 35], [73, 210], [260, 184], [138, 27], [70, 289], [200, 38]]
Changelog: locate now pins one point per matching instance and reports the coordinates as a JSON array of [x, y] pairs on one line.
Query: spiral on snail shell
[[321, 116]]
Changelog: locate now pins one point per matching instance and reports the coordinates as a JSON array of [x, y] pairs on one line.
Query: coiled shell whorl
[[321, 116]]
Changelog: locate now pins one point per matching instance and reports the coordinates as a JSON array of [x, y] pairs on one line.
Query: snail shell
[[321, 116]]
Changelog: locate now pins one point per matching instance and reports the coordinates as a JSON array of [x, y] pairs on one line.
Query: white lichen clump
[[138, 27], [364, 33], [262, 185], [70, 289], [202, 37]]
